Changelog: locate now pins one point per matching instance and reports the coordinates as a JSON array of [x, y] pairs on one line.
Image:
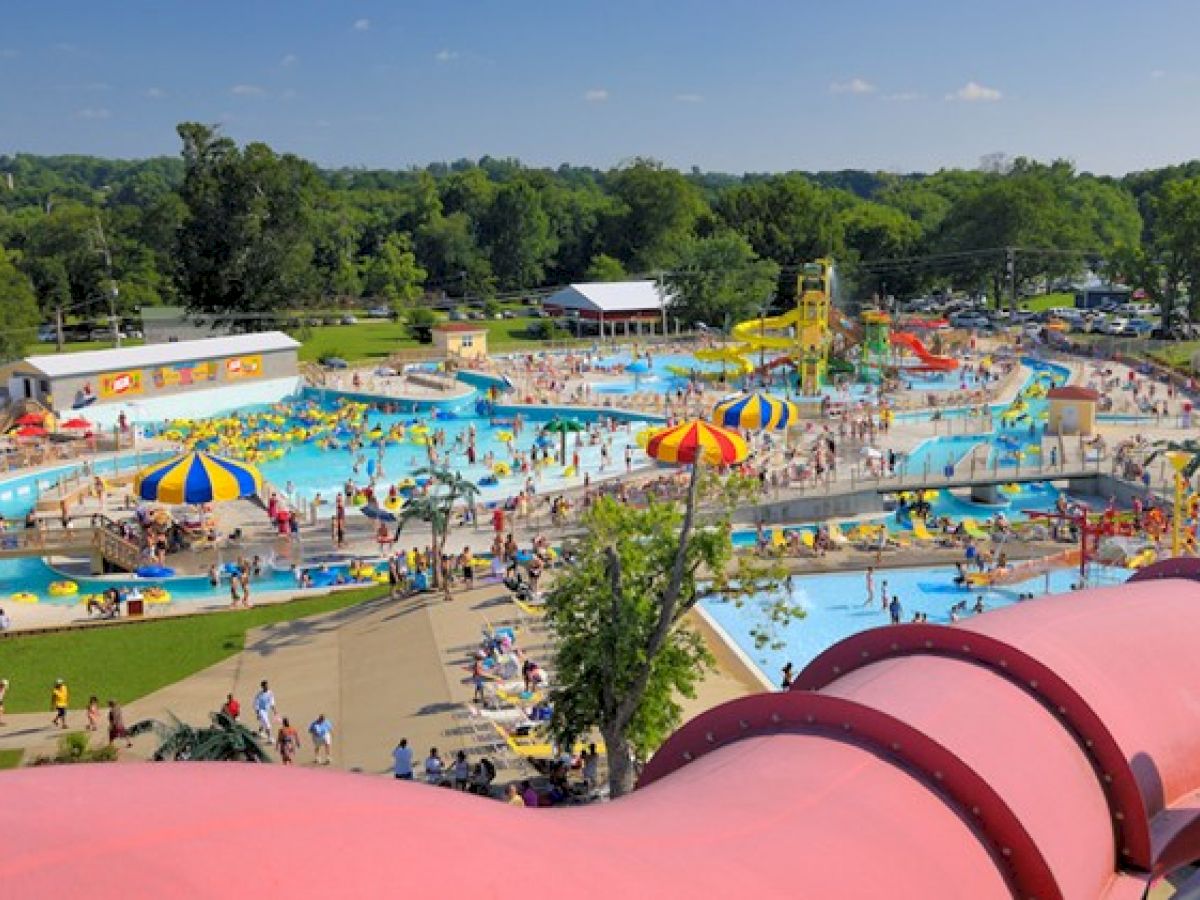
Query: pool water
[[836, 607]]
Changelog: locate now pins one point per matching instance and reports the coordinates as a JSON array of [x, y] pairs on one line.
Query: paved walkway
[[380, 670]]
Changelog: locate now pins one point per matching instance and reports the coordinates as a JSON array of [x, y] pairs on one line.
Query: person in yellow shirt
[[59, 698]]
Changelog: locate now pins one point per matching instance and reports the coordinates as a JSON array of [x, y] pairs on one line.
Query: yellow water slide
[[802, 333]]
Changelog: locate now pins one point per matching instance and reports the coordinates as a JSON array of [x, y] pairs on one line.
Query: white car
[[1115, 326]]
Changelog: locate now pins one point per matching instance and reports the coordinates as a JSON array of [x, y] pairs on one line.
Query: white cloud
[[1158, 73], [595, 95], [445, 56], [689, 98], [904, 96], [95, 112], [155, 93], [247, 90], [974, 92], [362, 24], [289, 59], [853, 86]]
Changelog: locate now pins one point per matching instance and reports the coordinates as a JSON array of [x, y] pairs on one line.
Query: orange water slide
[[928, 360]]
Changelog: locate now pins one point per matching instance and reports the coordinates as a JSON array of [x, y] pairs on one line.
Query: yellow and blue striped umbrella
[[756, 411], [197, 477]]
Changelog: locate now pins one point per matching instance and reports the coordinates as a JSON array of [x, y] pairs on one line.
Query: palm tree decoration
[[445, 489], [225, 740]]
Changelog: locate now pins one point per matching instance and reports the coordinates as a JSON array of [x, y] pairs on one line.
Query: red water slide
[[928, 360]]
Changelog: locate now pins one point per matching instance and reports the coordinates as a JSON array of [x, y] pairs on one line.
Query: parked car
[[378, 312], [457, 315], [333, 362], [349, 320], [1115, 326], [969, 320], [1141, 327], [104, 334], [47, 334]]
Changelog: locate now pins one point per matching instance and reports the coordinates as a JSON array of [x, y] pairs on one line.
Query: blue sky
[[730, 86]]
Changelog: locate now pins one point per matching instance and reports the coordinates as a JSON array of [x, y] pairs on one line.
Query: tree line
[[247, 232]]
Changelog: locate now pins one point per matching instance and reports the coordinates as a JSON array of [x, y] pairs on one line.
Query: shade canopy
[[563, 426], [756, 410], [197, 477], [698, 440], [76, 424], [638, 367], [31, 419]]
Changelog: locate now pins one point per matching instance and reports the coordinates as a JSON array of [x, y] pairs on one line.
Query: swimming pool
[[836, 607]]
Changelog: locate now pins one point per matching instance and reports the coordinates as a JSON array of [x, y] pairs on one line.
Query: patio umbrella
[[77, 427], [197, 477], [698, 441], [31, 419], [637, 368], [31, 431], [755, 410], [378, 513], [563, 427]]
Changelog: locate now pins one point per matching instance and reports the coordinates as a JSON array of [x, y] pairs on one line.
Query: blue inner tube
[[155, 572]]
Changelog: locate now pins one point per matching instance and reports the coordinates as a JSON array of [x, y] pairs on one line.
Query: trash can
[[135, 607]]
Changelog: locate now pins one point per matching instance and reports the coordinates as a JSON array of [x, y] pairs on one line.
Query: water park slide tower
[[876, 343], [812, 324]]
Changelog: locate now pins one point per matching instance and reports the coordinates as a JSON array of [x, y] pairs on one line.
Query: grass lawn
[[1177, 354], [1048, 301], [129, 661], [39, 349], [373, 339], [11, 759]]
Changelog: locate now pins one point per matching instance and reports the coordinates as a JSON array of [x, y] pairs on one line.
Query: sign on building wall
[[243, 367], [184, 374], [121, 384]]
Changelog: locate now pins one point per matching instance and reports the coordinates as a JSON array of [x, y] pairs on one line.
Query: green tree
[[436, 506], [786, 218], [447, 249], [624, 651], [719, 280], [224, 740], [20, 309], [1176, 241], [393, 274], [516, 232], [245, 250], [605, 268], [658, 210]]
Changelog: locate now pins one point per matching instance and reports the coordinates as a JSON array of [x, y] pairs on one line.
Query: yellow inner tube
[[156, 595], [504, 436], [501, 468], [23, 597], [63, 588]]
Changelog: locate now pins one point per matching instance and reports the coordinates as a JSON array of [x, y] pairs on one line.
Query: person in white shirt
[[435, 768], [264, 708]]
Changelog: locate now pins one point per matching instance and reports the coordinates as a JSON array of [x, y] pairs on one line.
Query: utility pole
[[58, 328], [112, 283], [1010, 256]]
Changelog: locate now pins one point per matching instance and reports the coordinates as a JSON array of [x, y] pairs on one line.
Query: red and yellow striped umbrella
[[698, 440]]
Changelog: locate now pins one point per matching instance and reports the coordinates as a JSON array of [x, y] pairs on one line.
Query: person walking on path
[[264, 709], [116, 724], [321, 731], [60, 696], [231, 707], [93, 714], [402, 761], [287, 743]]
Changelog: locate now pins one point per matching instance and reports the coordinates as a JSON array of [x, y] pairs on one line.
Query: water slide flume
[[1023, 571], [930, 361]]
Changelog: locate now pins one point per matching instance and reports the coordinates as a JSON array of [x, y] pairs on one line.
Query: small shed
[[1072, 410], [461, 340]]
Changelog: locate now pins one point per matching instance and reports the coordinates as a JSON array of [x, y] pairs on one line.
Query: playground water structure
[[836, 607]]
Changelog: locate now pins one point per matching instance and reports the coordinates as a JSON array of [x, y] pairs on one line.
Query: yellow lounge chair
[[921, 533], [971, 527], [837, 537], [808, 539], [778, 540]]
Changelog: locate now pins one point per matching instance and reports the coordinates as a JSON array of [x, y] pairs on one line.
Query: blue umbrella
[[638, 367], [378, 513]]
